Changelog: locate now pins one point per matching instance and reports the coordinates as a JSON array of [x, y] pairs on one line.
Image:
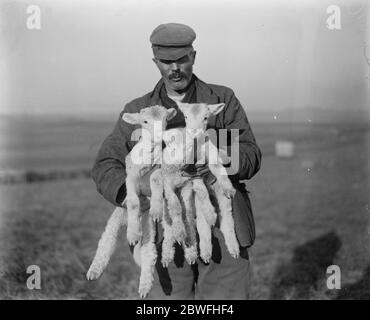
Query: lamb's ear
[[182, 105], [132, 118], [171, 113], [216, 108]]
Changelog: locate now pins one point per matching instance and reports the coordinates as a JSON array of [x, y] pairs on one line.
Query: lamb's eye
[[145, 121]]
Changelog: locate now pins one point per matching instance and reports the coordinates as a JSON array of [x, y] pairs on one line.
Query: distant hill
[[294, 115], [290, 115], [312, 114]]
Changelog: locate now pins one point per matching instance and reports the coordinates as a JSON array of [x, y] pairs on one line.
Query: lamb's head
[[197, 114], [153, 119]]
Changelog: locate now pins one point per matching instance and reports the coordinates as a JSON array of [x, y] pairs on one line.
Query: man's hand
[[192, 171], [195, 170], [144, 182], [199, 170], [225, 159]]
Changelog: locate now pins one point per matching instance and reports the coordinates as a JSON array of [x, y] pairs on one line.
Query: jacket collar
[[205, 93]]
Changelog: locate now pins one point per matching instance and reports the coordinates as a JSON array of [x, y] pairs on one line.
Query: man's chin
[[178, 85]]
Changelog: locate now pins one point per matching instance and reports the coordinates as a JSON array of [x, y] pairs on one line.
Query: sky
[[92, 57]]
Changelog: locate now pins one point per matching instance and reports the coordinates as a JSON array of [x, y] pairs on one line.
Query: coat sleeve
[[249, 153], [109, 170]]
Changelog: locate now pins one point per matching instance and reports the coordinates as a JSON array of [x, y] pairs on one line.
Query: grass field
[[311, 211]]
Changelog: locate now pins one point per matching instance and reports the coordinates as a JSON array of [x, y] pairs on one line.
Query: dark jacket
[[109, 169]]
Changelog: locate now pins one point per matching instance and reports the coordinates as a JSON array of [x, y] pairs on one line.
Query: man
[[224, 277]]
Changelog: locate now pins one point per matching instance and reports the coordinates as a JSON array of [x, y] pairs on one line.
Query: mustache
[[175, 75]]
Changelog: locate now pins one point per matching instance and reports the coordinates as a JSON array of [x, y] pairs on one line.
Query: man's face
[[176, 73]]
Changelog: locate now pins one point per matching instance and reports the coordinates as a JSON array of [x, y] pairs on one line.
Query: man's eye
[[183, 59], [165, 61]]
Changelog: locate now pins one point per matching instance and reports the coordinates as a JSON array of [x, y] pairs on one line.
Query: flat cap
[[172, 41]]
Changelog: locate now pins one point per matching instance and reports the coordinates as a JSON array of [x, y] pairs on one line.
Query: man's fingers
[[210, 179], [144, 171], [203, 172], [187, 174], [225, 159]]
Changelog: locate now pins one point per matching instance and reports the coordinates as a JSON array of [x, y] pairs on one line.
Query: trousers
[[224, 278]]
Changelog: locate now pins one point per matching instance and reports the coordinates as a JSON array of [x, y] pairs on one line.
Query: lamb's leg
[[190, 243], [219, 170], [226, 221], [204, 232], [133, 209], [107, 244], [204, 203], [168, 249], [148, 254], [171, 182], [156, 200]]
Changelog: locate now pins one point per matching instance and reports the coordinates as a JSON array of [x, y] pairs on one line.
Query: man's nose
[[174, 66]]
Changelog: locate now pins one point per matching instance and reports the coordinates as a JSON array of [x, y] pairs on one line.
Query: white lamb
[[196, 118], [153, 121], [179, 141]]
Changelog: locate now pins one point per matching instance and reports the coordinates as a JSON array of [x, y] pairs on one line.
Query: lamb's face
[[152, 119], [197, 114]]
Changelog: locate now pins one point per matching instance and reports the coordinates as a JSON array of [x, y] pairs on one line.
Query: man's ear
[[132, 118], [194, 54], [171, 113], [216, 108]]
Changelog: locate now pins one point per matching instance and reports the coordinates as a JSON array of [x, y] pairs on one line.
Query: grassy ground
[[309, 218], [311, 211]]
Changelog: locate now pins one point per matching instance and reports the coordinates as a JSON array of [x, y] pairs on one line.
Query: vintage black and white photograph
[[184, 150]]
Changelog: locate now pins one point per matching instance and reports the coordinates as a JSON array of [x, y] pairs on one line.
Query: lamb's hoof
[[143, 294], [133, 238], [206, 259], [168, 253], [229, 192], [180, 237], [190, 261], [234, 252], [191, 255], [206, 256], [93, 274], [144, 290], [166, 261], [156, 214], [227, 188], [232, 245]]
